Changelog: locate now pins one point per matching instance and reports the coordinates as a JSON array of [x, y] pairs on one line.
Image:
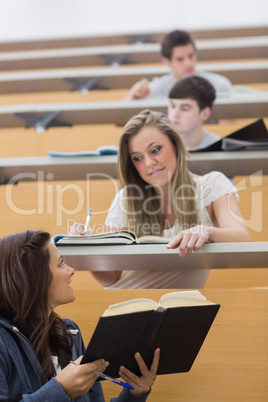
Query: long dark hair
[[25, 278]]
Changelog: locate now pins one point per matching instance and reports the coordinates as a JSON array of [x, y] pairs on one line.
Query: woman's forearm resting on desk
[[106, 278], [229, 228], [193, 239]]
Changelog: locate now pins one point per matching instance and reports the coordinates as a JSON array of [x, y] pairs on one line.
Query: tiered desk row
[[147, 37], [114, 55], [87, 79], [41, 192]]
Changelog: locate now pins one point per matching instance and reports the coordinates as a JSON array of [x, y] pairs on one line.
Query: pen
[[107, 377], [87, 220]]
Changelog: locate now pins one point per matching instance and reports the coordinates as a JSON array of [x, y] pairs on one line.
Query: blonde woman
[[160, 196]]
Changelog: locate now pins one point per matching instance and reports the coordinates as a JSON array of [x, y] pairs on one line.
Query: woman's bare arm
[[229, 227], [107, 278]]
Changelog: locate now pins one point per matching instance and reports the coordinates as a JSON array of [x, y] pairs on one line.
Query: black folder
[[255, 133]]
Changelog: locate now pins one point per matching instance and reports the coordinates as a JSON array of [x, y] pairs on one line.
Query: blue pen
[[87, 220], [107, 377]]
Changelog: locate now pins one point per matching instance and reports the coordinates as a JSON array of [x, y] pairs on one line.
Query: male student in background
[[190, 105], [178, 51]]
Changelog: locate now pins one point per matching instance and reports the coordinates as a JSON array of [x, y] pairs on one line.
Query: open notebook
[[114, 237]]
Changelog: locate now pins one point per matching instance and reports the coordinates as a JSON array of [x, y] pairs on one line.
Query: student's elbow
[[245, 236], [107, 278]]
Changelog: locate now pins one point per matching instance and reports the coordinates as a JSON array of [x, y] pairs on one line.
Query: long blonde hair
[[137, 190]]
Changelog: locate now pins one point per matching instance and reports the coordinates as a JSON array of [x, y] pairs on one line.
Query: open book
[[115, 237], [178, 324], [103, 150]]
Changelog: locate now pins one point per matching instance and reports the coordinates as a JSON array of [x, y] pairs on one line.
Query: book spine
[[147, 340]]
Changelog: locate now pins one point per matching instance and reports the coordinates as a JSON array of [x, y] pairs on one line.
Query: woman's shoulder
[[116, 217], [118, 196], [71, 325], [213, 185], [211, 177]]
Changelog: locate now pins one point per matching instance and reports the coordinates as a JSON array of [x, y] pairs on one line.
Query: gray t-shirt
[[208, 139], [161, 86]]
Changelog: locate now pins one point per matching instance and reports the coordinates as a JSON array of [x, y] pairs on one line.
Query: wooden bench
[[24, 142], [208, 49], [233, 163], [100, 40], [242, 103], [87, 79], [25, 214]]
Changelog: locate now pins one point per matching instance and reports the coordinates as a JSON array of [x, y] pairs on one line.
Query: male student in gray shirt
[[190, 105], [178, 51]]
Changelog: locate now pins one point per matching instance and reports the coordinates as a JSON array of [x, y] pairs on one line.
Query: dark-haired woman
[[36, 345]]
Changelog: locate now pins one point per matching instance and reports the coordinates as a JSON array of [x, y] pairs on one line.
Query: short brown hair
[[174, 39], [196, 88]]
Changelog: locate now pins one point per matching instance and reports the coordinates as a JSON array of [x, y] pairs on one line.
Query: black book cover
[[256, 131], [178, 331]]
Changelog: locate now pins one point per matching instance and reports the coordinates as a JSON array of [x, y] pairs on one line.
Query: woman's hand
[[77, 379], [143, 384], [191, 239], [79, 229]]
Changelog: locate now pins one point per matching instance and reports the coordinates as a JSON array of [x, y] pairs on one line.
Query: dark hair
[[25, 277], [174, 39], [194, 87]]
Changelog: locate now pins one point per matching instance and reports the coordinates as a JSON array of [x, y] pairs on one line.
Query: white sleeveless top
[[209, 188]]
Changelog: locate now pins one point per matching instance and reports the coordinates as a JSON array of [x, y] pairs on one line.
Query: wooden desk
[[242, 103], [208, 49], [232, 364], [238, 72], [158, 257], [100, 40], [231, 164]]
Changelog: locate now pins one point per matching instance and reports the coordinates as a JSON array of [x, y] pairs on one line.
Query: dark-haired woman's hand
[[190, 240], [77, 379], [144, 383]]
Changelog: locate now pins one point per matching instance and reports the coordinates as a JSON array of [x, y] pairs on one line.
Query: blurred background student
[[190, 105], [179, 53]]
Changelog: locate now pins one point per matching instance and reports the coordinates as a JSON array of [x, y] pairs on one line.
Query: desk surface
[[158, 257], [238, 72], [126, 37], [208, 49], [232, 364], [105, 167], [243, 102]]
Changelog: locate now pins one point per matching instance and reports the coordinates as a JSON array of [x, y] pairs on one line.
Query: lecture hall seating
[[208, 49], [233, 362], [90, 79], [241, 103], [98, 40], [25, 142]]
